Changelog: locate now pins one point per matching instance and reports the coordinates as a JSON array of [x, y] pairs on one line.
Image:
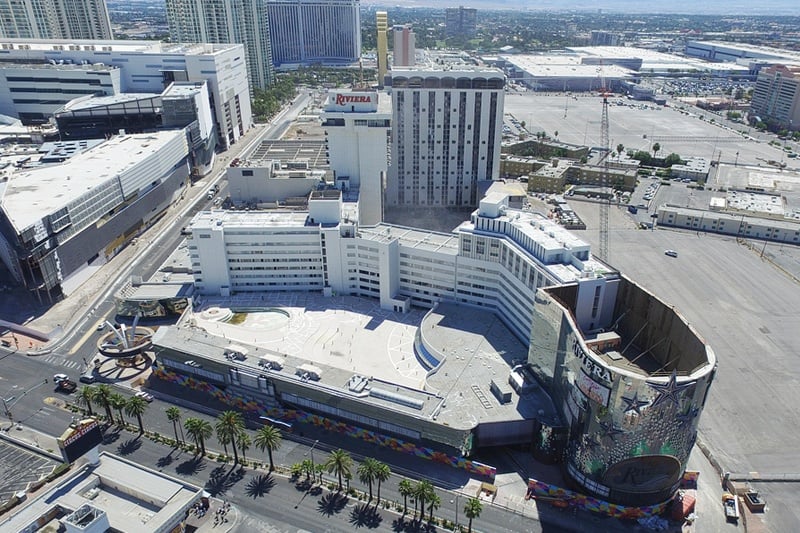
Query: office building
[[357, 128], [233, 21], [447, 126], [382, 23], [603, 38], [460, 21], [314, 31], [405, 50], [28, 67], [53, 233], [626, 378], [54, 19], [776, 97]]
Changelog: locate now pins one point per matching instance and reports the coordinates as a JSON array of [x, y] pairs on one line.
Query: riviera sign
[[342, 99], [588, 363]]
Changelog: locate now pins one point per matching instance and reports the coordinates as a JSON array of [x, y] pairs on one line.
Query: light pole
[[8, 403], [456, 502], [311, 451]]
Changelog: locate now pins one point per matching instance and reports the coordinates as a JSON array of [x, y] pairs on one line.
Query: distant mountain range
[[689, 7]]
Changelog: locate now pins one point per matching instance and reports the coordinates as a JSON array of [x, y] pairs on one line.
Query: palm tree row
[[104, 396]]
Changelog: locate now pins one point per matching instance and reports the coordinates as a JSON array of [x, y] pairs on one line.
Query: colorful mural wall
[[547, 492], [298, 416]]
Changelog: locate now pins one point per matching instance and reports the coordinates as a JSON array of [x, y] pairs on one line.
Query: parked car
[[144, 396], [671, 253]]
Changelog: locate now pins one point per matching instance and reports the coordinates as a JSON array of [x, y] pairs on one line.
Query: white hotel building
[[447, 127], [39, 77], [497, 260]]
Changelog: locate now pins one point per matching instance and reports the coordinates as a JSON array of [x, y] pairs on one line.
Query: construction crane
[[606, 150]]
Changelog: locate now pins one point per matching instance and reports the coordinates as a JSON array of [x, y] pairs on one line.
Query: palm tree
[[136, 406], [620, 148], [656, 148], [229, 425], [118, 402], [85, 397], [472, 509], [423, 490], [339, 462], [434, 501], [174, 416], [102, 396], [269, 438], [406, 489], [382, 473], [244, 444], [198, 430], [366, 473]]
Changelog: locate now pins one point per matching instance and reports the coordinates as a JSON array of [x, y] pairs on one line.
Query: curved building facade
[[630, 391]]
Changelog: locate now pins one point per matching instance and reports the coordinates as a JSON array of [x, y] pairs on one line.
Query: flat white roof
[[144, 47], [36, 192], [97, 101]]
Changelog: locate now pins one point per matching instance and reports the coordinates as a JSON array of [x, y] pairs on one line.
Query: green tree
[[85, 397], [620, 149], [366, 473], [382, 473], [422, 492], [406, 489], [434, 502], [174, 416], [339, 462], [643, 157], [230, 424], [472, 509], [198, 430], [673, 159], [118, 402], [269, 438], [136, 406], [244, 444], [102, 396], [656, 148]]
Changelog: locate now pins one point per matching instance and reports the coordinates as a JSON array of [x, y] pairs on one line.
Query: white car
[[671, 253], [60, 377], [144, 396]]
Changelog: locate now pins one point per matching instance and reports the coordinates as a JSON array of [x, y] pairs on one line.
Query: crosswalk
[[67, 363]]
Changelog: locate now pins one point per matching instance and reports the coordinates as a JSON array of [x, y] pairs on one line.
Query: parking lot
[[20, 467], [639, 125]]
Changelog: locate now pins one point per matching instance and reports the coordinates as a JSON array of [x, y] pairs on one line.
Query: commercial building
[[405, 49], [741, 53], [357, 128], [113, 495], [233, 21], [603, 38], [382, 24], [447, 128], [776, 97], [460, 21], [68, 69], [54, 19], [314, 31], [516, 303], [739, 223], [53, 233]]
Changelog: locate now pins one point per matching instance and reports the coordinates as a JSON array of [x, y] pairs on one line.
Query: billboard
[[79, 438]]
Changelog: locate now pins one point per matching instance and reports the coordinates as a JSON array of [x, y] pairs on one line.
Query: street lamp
[[311, 451], [456, 502]]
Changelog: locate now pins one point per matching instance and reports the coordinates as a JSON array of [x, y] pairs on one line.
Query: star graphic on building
[[610, 431], [669, 390], [634, 404]]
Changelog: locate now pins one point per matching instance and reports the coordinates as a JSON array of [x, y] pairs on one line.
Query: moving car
[[60, 377], [671, 253], [66, 385], [87, 378]]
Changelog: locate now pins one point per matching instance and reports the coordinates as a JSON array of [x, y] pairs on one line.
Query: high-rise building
[[446, 130], [357, 125], [51, 73], [382, 23], [405, 49], [314, 31], [460, 21], [54, 19], [603, 38], [776, 97], [233, 21]]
